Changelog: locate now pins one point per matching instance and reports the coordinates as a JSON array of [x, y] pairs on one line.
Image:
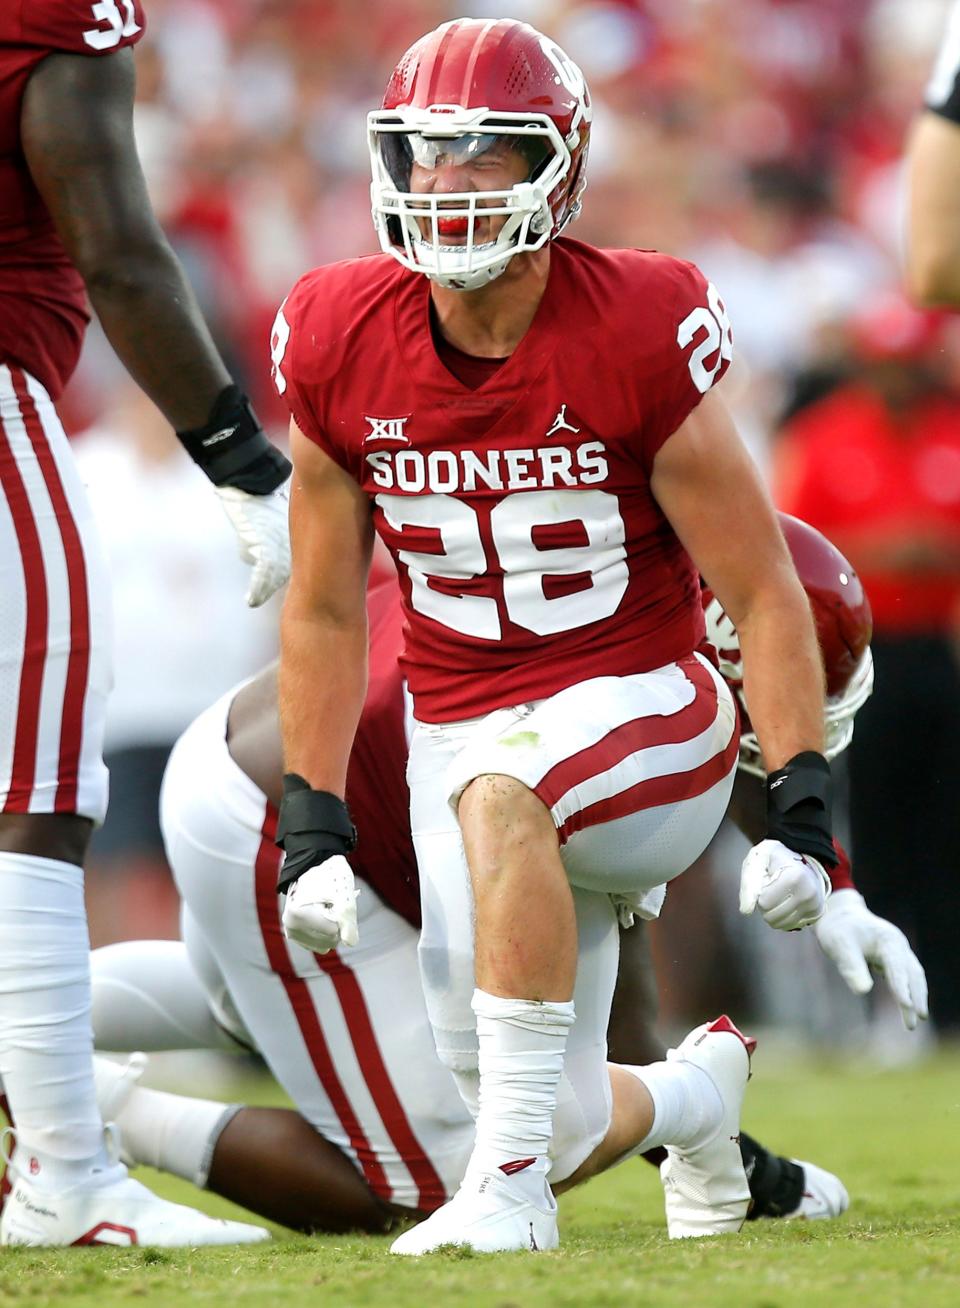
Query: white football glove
[[790, 890], [320, 912], [261, 523], [853, 938]]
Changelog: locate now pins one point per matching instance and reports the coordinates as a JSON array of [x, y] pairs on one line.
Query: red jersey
[[43, 310], [530, 550]]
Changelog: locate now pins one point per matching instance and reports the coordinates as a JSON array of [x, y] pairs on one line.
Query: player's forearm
[[933, 240], [322, 687], [152, 320], [783, 676]]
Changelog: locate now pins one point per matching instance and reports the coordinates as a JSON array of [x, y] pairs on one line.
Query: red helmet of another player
[[473, 93], [844, 626]]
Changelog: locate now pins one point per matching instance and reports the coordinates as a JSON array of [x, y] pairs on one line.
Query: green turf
[[895, 1139]]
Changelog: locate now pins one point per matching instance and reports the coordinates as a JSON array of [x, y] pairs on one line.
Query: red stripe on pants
[[636, 735], [655, 791], [298, 993], [35, 633], [431, 1193], [78, 661]]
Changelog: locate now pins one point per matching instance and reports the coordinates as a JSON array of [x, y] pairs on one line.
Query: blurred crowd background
[[764, 139]]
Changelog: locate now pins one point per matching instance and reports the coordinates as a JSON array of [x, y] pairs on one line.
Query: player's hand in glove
[[252, 478], [856, 939], [321, 907], [315, 832], [789, 890], [784, 875], [261, 524]]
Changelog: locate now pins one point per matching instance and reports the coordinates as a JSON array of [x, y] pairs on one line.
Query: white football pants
[[637, 773], [55, 615], [346, 1033]]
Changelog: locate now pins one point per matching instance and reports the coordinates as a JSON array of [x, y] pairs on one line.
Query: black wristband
[[232, 449], [313, 826], [799, 807]]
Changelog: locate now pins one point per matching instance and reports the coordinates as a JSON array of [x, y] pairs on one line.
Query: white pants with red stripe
[[346, 1033], [55, 617], [637, 773]]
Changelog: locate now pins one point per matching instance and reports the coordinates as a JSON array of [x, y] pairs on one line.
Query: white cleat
[[824, 1195], [487, 1215], [705, 1188], [108, 1208], [111, 1209]]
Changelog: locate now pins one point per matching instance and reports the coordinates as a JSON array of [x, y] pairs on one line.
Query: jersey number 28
[[596, 570]]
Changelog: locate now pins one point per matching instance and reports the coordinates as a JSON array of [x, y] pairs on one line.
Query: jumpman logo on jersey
[[560, 422]]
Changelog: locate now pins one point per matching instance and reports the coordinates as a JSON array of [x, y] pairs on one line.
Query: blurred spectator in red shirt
[[875, 465]]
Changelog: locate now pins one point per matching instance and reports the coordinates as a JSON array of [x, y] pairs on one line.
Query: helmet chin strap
[[453, 278]]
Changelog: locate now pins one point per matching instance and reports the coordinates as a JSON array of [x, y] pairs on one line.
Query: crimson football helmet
[[841, 611], [468, 88]]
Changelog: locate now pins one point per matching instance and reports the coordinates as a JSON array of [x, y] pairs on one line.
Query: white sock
[[521, 1048], [687, 1107], [173, 1133], [46, 1042]]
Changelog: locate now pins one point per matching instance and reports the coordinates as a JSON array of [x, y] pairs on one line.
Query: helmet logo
[[570, 75]]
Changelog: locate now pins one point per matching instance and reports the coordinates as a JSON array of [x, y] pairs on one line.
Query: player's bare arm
[[77, 133], [704, 480], [933, 245], [323, 629], [322, 685], [77, 129]]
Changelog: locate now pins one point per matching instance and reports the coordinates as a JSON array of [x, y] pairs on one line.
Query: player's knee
[[492, 795], [496, 811]]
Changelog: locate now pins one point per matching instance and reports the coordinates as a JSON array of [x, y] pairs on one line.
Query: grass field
[[893, 1137]]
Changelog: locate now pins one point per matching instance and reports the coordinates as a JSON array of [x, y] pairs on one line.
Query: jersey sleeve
[[692, 351], [841, 876], [90, 27], [298, 363], [942, 95]]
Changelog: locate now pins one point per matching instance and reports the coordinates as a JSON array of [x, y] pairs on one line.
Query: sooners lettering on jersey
[[42, 300], [530, 550]]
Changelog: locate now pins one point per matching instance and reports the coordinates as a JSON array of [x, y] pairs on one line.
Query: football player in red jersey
[[346, 1034], [529, 424], [75, 221]]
